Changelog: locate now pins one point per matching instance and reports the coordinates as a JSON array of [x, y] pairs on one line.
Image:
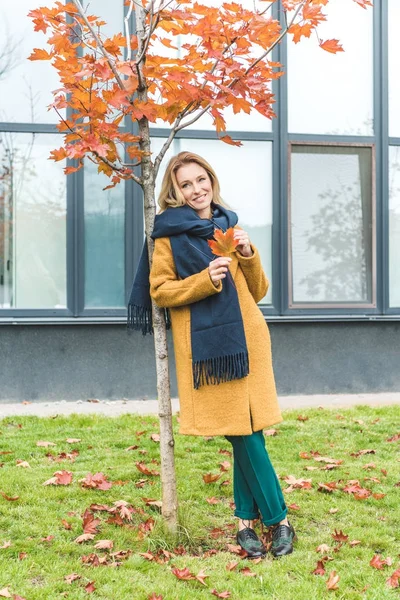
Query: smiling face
[[196, 188]]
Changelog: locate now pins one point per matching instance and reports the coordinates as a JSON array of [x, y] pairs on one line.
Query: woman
[[221, 341]]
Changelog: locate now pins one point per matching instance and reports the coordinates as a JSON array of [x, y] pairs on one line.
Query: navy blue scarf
[[219, 350]]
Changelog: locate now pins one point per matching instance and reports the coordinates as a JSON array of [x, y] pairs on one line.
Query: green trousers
[[256, 488]]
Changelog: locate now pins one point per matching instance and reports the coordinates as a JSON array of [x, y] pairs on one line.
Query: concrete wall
[[103, 361]]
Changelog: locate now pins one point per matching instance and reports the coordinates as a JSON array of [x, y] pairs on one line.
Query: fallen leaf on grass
[[294, 506], [183, 574], [328, 459], [362, 452], [152, 502], [72, 577], [60, 478], [4, 593], [97, 481], [226, 452], [155, 437], [393, 580], [131, 448], [327, 487], [322, 548], [104, 545], [49, 538], [270, 432], [248, 572], [43, 444], [339, 536], [370, 465], [354, 543], [210, 478], [333, 580], [394, 438], [232, 565], [213, 500], [201, 577], [89, 523], [225, 594], [225, 466], [145, 470], [22, 555], [302, 418], [378, 563], [333, 511], [9, 498], [5, 545], [90, 587], [154, 596], [85, 537], [236, 549], [73, 440], [319, 569], [23, 463]]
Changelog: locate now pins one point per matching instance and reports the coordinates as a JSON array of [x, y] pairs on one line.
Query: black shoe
[[282, 540], [249, 541]]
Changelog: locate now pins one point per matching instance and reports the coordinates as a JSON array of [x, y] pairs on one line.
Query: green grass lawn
[[38, 530]]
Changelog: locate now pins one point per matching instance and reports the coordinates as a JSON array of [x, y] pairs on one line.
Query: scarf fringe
[[221, 369], [140, 318]]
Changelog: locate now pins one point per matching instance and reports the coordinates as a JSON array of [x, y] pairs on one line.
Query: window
[[245, 176], [394, 226], [333, 93], [331, 232], [32, 223], [394, 68]]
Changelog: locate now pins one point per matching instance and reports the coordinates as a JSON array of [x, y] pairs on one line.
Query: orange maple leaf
[[39, 54], [223, 244], [331, 46]]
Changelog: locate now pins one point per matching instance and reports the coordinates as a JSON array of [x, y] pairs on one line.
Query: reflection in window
[[104, 240], [245, 175], [31, 82], [32, 223], [394, 227], [331, 224], [394, 68], [333, 93]]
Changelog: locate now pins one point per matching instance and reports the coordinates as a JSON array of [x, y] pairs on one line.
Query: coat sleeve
[[167, 290], [256, 279]]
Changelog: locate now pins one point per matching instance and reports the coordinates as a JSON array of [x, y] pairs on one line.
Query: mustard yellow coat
[[235, 407]]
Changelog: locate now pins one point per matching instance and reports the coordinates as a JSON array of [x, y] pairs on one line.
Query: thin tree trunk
[[168, 477]]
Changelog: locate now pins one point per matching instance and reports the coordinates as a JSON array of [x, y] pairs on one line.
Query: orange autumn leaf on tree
[[223, 244], [332, 46]]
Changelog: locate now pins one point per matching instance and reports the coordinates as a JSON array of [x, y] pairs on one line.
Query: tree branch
[[100, 44], [128, 55], [253, 64]]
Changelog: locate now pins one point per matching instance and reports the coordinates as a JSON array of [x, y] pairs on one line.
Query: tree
[[223, 61]]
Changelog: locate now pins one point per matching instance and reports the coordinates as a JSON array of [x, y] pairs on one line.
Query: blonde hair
[[170, 195]]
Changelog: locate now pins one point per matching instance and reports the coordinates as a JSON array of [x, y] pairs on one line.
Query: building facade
[[317, 188]]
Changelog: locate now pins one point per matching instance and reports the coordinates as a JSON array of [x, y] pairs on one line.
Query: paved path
[[144, 407]]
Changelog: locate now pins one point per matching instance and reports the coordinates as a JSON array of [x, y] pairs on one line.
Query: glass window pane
[[394, 68], [245, 175], [32, 223], [333, 93], [104, 240], [394, 226], [331, 224], [31, 82]]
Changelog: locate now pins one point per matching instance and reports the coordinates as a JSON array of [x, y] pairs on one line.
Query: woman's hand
[[243, 247], [218, 268]]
